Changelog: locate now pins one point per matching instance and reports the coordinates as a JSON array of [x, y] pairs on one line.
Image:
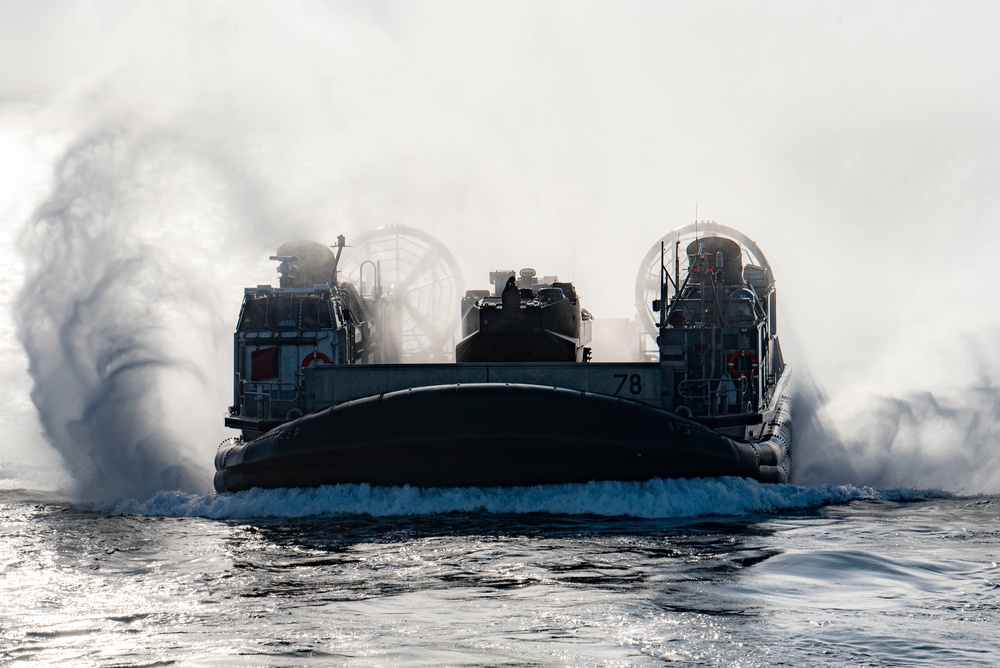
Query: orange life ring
[[314, 357], [738, 373]]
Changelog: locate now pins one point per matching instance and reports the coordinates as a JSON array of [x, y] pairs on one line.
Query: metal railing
[[269, 401]]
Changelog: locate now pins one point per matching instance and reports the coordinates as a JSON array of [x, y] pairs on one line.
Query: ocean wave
[[651, 499]]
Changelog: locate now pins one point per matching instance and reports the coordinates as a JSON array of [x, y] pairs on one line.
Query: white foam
[[652, 499]]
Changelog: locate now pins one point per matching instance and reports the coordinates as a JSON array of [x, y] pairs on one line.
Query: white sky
[[858, 143]]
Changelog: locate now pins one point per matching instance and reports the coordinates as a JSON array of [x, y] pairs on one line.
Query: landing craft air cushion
[[358, 379]]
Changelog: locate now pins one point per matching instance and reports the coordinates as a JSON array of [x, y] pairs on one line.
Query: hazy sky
[[840, 135], [856, 142]]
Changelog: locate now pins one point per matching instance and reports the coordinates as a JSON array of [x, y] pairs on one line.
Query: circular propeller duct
[[647, 281], [421, 286]]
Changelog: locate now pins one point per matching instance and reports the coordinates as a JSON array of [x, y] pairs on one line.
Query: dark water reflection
[[675, 566], [850, 584]]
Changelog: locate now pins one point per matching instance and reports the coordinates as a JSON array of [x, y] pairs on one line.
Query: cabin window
[[316, 313], [285, 313], [310, 313], [740, 308], [254, 313], [741, 305]]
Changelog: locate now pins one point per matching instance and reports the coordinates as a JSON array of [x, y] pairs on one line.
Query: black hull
[[489, 435]]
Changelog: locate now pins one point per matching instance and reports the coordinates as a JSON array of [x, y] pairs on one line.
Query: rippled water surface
[[828, 576]]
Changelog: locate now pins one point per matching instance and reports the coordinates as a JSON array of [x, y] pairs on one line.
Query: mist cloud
[[100, 314], [855, 143]]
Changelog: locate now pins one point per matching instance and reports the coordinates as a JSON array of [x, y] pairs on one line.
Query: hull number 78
[[634, 383]]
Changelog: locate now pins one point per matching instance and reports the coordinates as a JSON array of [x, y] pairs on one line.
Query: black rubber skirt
[[489, 435]]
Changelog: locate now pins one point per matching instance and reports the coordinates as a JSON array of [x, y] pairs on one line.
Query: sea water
[[710, 572]]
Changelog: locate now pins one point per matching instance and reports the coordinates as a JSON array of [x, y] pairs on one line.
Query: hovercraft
[[360, 379]]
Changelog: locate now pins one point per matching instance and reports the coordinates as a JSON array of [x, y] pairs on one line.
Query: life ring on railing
[[737, 372], [314, 358]]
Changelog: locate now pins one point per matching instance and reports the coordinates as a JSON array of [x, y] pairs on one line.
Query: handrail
[[271, 399]]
